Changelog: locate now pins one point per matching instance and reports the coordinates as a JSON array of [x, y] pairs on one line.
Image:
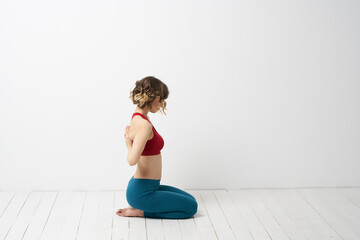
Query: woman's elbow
[[131, 162]]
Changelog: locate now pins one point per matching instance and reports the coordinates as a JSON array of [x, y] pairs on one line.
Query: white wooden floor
[[317, 213]]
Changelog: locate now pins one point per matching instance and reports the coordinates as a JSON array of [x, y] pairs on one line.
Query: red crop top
[[155, 144]]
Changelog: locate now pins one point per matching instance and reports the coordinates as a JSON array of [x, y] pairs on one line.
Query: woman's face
[[155, 105]]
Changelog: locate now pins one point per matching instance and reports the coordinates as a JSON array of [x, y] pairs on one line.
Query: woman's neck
[[142, 111]]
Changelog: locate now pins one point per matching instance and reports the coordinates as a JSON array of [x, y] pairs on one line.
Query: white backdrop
[[262, 93]]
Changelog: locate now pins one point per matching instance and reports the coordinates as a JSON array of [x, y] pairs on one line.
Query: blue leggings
[[160, 201]]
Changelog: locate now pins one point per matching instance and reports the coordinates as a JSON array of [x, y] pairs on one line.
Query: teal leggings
[[160, 201]]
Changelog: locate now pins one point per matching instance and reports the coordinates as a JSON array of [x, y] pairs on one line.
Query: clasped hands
[[127, 136]]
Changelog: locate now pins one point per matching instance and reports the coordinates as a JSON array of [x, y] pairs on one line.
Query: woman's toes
[[120, 211]]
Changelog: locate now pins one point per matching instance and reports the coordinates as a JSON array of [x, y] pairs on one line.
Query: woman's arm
[[128, 141], [137, 147], [129, 147]]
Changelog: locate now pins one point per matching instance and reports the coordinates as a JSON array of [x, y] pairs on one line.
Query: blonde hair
[[146, 90]]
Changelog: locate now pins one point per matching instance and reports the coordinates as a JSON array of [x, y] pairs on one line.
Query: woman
[[145, 195]]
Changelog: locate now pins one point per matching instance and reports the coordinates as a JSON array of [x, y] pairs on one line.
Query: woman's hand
[[127, 136]]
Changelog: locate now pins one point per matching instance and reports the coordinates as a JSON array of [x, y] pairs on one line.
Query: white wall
[[262, 93]]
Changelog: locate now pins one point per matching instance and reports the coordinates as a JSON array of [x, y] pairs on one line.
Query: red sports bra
[[154, 145]]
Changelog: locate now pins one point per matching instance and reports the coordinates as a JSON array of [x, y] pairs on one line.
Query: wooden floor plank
[[353, 194], [251, 214], [120, 228], [5, 199], [331, 213], [74, 211], [24, 218], [281, 216], [154, 229], [235, 220], [269, 222], [57, 216], [188, 229], [87, 228], [105, 215], [252, 222], [137, 228], [171, 229], [39, 220], [311, 223], [202, 220], [11, 212], [216, 215]]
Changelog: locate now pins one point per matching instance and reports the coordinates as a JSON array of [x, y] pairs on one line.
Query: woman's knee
[[132, 201], [194, 208], [192, 197]]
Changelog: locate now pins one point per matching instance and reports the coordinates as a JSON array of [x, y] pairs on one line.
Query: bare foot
[[129, 207], [130, 212]]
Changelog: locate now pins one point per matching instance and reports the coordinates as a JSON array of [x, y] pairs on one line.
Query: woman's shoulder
[[138, 120], [139, 124]]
